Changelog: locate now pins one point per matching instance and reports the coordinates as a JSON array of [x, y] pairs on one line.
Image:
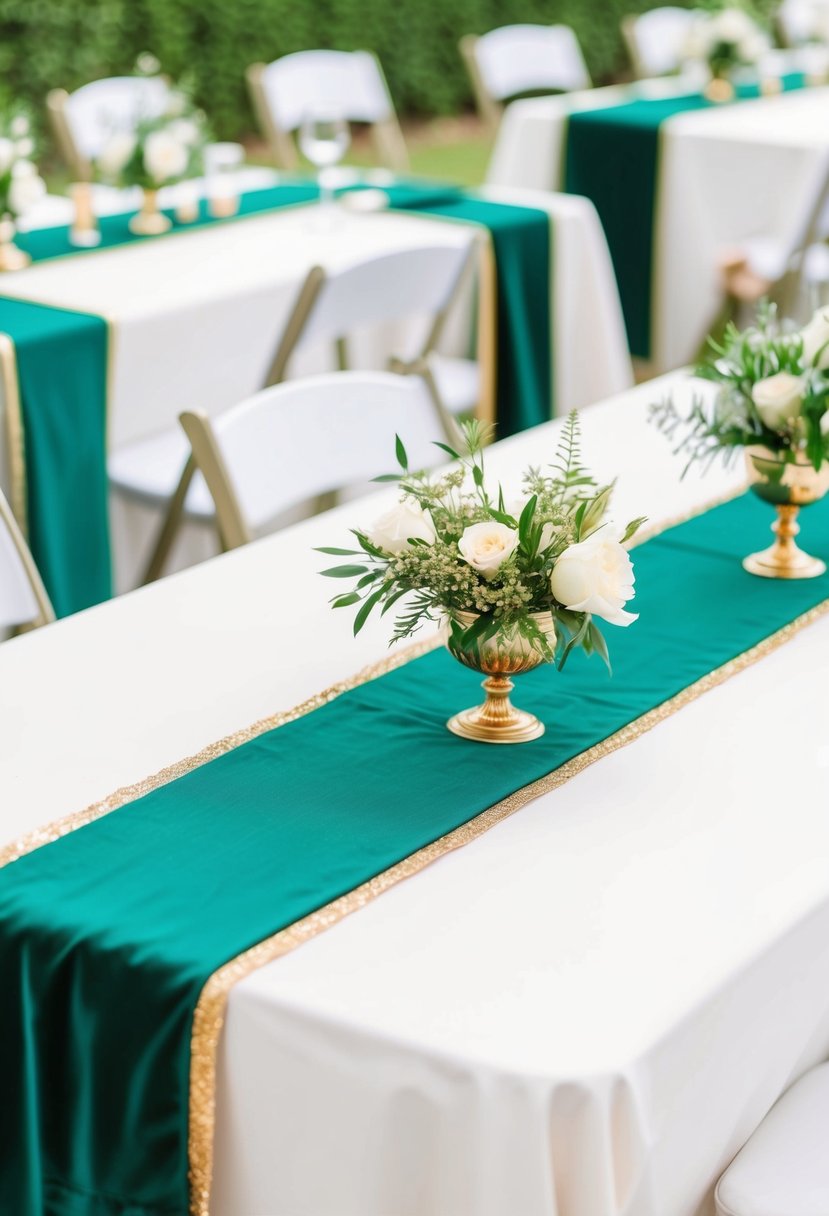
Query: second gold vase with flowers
[[514, 582]]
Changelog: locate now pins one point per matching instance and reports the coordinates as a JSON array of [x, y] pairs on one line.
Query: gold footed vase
[[499, 658], [788, 485], [11, 257], [149, 221], [719, 90]]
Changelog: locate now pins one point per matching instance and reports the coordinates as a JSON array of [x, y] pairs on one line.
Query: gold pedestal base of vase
[[149, 221], [784, 559], [12, 258], [719, 90], [497, 720]]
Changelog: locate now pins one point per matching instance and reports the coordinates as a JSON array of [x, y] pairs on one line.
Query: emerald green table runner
[[612, 158], [62, 368], [108, 935]]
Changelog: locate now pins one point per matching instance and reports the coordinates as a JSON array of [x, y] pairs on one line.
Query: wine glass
[[323, 140]]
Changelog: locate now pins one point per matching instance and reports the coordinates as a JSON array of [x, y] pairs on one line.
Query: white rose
[[407, 521], [185, 130], [778, 399], [24, 147], [732, 25], [596, 576], [815, 335], [19, 126], [486, 546], [165, 157], [147, 63], [116, 153], [6, 155], [25, 190]]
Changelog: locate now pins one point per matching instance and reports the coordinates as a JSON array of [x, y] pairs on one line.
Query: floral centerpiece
[[773, 403], [514, 585], [21, 186], [725, 39], [160, 149]]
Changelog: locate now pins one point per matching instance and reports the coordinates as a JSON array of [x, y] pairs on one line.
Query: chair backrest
[[349, 84], [656, 40], [519, 59], [390, 287], [810, 228], [85, 120], [23, 598], [802, 21], [294, 441]]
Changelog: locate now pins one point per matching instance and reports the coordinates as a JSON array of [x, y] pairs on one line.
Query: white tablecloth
[[727, 176], [196, 317], [583, 1013]]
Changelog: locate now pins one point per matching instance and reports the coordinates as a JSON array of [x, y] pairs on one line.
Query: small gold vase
[[497, 720], [719, 90], [149, 221], [11, 257], [788, 485]]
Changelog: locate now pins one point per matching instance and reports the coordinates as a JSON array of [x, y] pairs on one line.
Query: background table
[[195, 317], [727, 175], [583, 1013]]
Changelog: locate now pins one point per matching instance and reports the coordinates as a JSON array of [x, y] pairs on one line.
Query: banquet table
[[190, 321], [724, 177], [584, 1011]]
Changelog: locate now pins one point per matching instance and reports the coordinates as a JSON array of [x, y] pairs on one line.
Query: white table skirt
[[583, 1013], [727, 176], [195, 319]]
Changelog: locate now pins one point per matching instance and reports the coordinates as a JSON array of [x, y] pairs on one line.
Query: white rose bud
[[165, 157], [816, 335], [407, 521], [19, 126], [486, 546], [778, 399], [25, 190], [185, 130], [116, 153], [596, 576]]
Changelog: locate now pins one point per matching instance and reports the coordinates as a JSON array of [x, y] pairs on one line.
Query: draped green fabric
[[62, 359], [107, 935], [612, 158], [62, 374]]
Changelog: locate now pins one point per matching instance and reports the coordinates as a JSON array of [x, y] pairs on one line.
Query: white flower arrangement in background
[[773, 392], [21, 186], [725, 39], [159, 149], [451, 547]]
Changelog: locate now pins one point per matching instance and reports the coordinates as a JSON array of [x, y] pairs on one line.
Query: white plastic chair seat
[[458, 382], [783, 1170], [150, 469]]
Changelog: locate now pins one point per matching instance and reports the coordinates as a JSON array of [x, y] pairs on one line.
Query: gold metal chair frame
[[488, 107], [387, 135], [628, 27], [205, 453], [45, 612], [79, 165]]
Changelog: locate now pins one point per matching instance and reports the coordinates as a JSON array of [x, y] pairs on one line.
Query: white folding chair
[[396, 287], [24, 603], [656, 40], [793, 273], [518, 59], [803, 21], [783, 1169], [84, 121], [287, 444], [349, 84]]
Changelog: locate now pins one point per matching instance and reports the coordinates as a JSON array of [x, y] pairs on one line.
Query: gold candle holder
[[84, 231], [788, 485], [499, 658], [719, 90], [222, 206]]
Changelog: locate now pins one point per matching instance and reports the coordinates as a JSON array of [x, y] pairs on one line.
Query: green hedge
[[45, 43]]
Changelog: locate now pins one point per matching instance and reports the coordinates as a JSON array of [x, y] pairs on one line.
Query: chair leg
[[170, 526]]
